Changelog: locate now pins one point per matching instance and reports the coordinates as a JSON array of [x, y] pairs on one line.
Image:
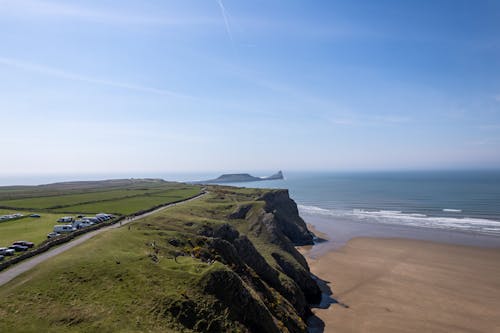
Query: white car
[[53, 234]]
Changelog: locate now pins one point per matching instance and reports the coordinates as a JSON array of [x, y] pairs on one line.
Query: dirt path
[[26, 265]]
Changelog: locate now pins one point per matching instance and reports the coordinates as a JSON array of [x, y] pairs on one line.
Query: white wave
[[450, 210], [411, 219]]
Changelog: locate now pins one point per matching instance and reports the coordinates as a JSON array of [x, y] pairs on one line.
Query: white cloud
[[54, 72]]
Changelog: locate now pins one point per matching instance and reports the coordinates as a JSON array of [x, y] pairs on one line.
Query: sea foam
[[396, 217]]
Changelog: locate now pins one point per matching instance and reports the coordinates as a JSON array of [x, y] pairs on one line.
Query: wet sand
[[403, 285]]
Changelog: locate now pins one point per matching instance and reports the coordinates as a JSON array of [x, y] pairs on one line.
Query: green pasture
[[131, 205], [107, 284], [117, 201], [27, 228]]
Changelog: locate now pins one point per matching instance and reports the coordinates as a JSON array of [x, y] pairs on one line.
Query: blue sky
[[161, 86]]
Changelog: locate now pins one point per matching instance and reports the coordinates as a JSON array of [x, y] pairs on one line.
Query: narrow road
[[26, 265]]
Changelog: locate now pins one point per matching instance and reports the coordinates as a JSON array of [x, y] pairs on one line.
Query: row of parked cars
[[18, 246], [14, 216], [10, 216], [80, 222]]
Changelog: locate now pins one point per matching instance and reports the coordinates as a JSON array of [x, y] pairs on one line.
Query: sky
[[224, 85]]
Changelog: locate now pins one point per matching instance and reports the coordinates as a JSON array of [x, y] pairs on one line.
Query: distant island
[[240, 178]]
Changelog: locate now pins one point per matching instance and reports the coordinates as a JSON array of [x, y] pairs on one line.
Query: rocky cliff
[[266, 286]]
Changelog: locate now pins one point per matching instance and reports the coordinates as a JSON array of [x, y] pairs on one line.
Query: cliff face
[[265, 285], [282, 278]]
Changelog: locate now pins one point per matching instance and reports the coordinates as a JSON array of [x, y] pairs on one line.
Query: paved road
[[26, 265]]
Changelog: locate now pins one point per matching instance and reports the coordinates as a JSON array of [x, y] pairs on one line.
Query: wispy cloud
[[48, 9], [497, 97], [55, 72], [226, 20]]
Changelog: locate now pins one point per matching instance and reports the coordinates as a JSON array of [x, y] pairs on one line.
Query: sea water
[[465, 201]]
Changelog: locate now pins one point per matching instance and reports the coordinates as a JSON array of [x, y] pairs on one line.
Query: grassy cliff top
[[211, 265]]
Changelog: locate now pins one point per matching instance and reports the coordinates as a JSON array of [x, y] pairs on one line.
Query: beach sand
[[402, 285]]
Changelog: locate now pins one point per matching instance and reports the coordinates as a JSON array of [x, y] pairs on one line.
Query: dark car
[[24, 243], [18, 248], [6, 251], [1, 257], [35, 215]]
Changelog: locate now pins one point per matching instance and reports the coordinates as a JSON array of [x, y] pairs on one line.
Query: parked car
[[53, 234], [78, 224], [24, 243], [6, 251], [18, 248], [61, 229], [1, 257], [35, 215], [66, 219]]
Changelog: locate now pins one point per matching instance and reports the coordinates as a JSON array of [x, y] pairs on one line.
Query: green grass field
[[28, 228], [71, 199], [130, 198], [110, 283], [113, 283], [131, 205]]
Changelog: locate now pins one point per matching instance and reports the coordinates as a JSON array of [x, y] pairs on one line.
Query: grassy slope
[[111, 283]]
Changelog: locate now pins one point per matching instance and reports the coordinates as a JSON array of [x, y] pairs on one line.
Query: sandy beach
[[402, 285]]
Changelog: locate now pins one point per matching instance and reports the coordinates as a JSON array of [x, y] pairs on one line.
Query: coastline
[[398, 284]]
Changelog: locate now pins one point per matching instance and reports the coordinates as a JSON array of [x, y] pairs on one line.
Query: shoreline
[[396, 284], [339, 231]]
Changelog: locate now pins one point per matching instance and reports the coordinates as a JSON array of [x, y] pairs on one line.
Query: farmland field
[[121, 197], [131, 205], [27, 228]]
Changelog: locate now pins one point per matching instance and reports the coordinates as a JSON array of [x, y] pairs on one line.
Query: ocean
[[422, 205]]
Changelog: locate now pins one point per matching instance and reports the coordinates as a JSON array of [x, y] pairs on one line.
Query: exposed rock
[[302, 277], [226, 232], [240, 212], [286, 217], [174, 242], [228, 288]]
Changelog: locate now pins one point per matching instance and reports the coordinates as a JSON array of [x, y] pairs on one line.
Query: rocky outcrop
[[240, 178], [286, 217], [265, 285]]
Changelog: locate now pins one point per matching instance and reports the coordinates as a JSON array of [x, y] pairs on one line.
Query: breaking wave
[[468, 224]]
